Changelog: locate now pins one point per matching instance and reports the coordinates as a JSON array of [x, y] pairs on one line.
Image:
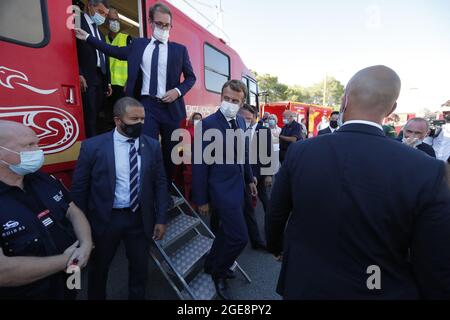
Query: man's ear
[[392, 110]]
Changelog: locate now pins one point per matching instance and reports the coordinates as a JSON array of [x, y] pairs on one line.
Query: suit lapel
[[110, 155], [144, 161], [169, 63]]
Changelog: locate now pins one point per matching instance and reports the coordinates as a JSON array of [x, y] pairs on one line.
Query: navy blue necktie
[[100, 54], [134, 177], [154, 71]]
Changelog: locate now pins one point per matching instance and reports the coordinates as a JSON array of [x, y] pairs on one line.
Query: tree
[[276, 91], [335, 91]]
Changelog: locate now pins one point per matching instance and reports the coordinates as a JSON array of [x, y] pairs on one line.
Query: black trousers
[[126, 227], [250, 219], [156, 125], [92, 103], [231, 239]]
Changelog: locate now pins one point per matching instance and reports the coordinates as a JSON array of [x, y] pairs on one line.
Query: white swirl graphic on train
[[10, 77], [57, 129]]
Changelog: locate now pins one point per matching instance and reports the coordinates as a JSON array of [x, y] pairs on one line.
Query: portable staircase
[[180, 255]]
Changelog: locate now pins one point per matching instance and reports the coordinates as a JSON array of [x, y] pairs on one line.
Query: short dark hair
[[196, 114], [161, 8], [250, 109], [335, 113], [97, 2], [120, 107], [236, 85]]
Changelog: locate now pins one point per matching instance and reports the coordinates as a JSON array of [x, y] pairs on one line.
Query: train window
[[217, 69], [24, 22]]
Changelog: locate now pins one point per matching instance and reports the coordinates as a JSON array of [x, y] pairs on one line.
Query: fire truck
[[39, 78], [313, 114]]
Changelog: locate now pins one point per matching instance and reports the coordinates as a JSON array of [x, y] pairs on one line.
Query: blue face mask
[[98, 19], [272, 123], [30, 161]]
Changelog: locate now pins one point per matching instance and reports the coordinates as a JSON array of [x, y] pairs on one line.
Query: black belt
[[156, 99]]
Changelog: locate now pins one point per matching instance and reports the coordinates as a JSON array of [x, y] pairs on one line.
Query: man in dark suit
[[379, 228], [93, 65], [219, 181], [333, 124], [291, 133], [155, 67], [120, 183], [260, 161], [415, 132]]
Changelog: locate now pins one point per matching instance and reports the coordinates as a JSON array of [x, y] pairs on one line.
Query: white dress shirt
[[146, 65], [122, 163], [369, 123], [94, 31]]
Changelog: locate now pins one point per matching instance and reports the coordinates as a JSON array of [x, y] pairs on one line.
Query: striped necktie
[[134, 177]]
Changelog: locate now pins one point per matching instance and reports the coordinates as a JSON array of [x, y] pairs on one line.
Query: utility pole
[[220, 15]]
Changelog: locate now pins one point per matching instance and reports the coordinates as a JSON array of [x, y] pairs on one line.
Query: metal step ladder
[[180, 255]]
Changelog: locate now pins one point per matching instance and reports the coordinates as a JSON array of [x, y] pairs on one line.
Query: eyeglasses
[[164, 26]]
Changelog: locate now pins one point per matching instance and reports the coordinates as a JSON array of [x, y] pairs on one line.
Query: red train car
[[312, 113], [39, 82]]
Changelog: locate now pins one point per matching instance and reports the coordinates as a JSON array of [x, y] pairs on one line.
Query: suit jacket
[[382, 204], [178, 63], [327, 130], [256, 151], [220, 185], [94, 182], [87, 58], [427, 149]]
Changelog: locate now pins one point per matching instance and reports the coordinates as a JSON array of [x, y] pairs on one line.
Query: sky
[[301, 41]]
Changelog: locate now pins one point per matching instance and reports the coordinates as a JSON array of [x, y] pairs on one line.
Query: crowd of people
[[335, 205]]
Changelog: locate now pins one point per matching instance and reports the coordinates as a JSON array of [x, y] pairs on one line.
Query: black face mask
[[132, 130], [334, 124]]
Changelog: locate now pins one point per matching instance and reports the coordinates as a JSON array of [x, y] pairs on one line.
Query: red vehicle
[[312, 113], [39, 82]]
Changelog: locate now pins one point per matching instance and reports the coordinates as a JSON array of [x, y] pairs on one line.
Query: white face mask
[[248, 124], [414, 145], [114, 26], [229, 110], [30, 161], [98, 19], [161, 35], [196, 122], [286, 121]]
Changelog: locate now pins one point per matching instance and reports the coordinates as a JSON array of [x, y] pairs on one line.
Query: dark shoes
[[230, 274], [222, 289]]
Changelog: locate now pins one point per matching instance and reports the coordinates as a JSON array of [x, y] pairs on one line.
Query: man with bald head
[[37, 242], [291, 133], [379, 228]]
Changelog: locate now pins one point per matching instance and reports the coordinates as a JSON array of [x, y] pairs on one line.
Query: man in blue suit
[[155, 67], [220, 185], [119, 182], [95, 76], [379, 228]]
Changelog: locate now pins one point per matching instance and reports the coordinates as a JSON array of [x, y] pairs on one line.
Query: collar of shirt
[[161, 43], [369, 123], [118, 137], [228, 119]]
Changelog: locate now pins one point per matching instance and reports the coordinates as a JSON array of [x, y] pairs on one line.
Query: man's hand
[[70, 250], [268, 181], [170, 96], [279, 258], [83, 84], [80, 256], [253, 189], [159, 232], [81, 34], [204, 210], [109, 92]]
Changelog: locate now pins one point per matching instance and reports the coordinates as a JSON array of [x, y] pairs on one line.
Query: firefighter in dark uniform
[[42, 232]]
